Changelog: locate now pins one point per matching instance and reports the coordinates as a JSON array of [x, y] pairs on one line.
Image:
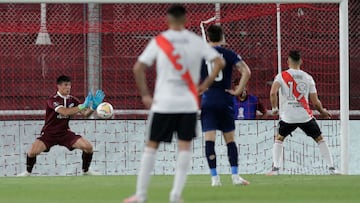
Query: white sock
[[277, 153], [325, 152], [146, 166], [182, 166]]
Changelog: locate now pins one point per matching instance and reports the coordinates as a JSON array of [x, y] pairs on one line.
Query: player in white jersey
[[296, 87], [178, 54]]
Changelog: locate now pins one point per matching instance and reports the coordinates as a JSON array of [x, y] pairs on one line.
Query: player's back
[[296, 85], [178, 57], [216, 94]]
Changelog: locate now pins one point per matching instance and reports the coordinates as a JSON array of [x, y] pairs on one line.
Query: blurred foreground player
[[296, 87], [178, 54], [59, 108], [217, 106]]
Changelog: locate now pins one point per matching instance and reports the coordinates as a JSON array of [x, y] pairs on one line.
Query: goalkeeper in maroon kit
[[59, 108]]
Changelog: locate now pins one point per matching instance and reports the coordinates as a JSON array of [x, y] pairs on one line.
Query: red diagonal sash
[[288, 78], [168, 49]]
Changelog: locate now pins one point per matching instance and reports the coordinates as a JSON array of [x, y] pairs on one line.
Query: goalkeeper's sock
[[325, 152], [146, 166], [233, 157], [30, 162], [86, 158], [211, 156], [182, 166], [277, 153]]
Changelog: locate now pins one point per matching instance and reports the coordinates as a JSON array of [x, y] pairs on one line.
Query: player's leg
[[182, 165], [233, 158], [143, 179], [312, 130], [87, 152], [186, 130], [210, 153], [41, 144], [36, 148], [284, 129], [160, 129], [209, 125]]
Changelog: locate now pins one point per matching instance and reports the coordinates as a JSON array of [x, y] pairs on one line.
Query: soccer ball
[[105, 110]]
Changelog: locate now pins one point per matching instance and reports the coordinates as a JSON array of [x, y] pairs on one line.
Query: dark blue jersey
[[216, 92], [246, 109]]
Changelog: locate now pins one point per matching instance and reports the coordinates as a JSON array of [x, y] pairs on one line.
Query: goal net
[[39, 43]]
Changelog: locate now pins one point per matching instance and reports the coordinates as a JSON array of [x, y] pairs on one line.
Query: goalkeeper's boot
[[334, 171], [134, 199], [238, 180], [274, 172], [91, 173], [24, 174], [215, 181]]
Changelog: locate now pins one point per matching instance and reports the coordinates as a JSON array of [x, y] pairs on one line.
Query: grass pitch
[[112, 189]]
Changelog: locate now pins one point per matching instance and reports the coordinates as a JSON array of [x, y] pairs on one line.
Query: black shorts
[[162, 126], [310, 128]]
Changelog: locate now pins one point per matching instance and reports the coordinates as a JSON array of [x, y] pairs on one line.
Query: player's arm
[[274, 97], [318, 106], [145, 60], [140, 79], [218, 65], [261, 108], [244, 69], [74, 110], [87, 112], [68, 111]]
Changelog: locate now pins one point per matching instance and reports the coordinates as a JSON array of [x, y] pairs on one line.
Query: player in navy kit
[[59, 108], [217, 105]]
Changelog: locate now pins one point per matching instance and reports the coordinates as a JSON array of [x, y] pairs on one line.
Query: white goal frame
[[343, 44]]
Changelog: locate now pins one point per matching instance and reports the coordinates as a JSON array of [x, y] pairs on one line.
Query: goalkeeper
[[59, 108]]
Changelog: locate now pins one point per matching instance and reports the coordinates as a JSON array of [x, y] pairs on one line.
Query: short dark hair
[[295, 55], [63, 78], [215, 33], [177, 11]]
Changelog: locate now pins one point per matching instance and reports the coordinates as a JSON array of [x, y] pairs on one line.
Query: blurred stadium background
[[97, 46]]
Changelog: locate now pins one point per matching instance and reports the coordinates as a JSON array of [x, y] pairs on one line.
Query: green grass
[[112, 189]]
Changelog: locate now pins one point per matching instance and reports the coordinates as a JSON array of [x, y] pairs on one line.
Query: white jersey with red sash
[[296, 85], [178, 56]]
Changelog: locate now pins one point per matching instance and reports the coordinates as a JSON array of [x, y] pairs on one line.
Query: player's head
[[294, 58], [176, 15], [215, 33], [63, 83]]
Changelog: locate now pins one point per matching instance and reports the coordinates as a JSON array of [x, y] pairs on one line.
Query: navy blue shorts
[[218, 118]]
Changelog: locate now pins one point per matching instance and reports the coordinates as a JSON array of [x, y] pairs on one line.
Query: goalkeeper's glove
[[87, 102], [97, 99]]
